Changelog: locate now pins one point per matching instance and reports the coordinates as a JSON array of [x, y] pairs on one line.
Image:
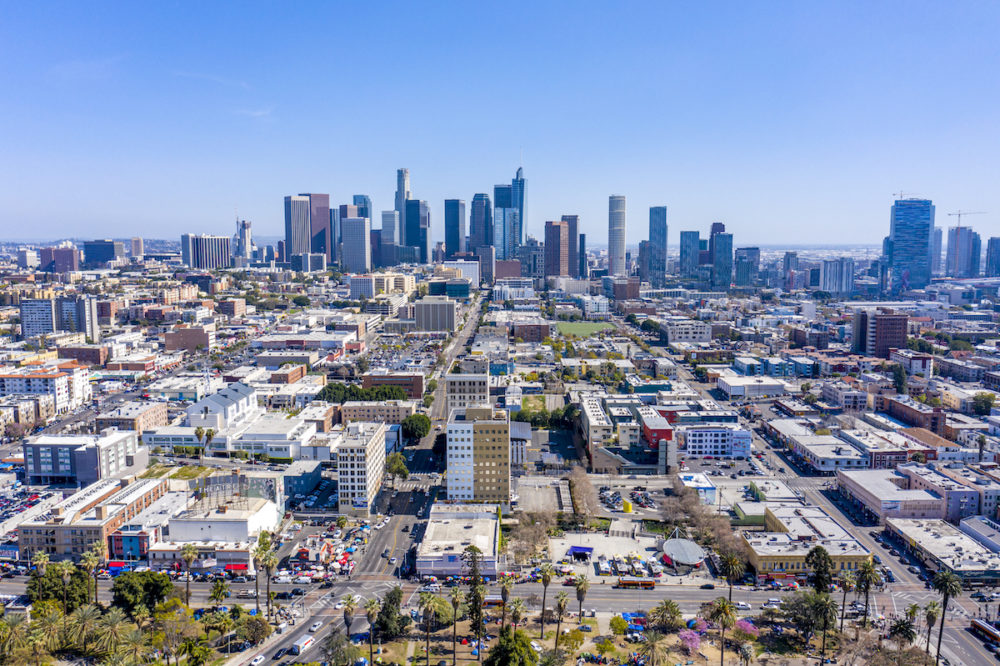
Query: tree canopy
[[416, 426], [134, 589], [341, 393]]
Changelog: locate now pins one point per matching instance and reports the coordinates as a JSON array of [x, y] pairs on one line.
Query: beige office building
[[479, 455], [466, 390]]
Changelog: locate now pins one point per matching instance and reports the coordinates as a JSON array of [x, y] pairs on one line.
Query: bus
[[633, 583], [303, 644], [493, 600], [985, 631]]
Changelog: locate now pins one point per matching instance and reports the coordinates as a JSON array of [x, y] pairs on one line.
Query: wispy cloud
[[260, 114], [211, 78], [85, 70]]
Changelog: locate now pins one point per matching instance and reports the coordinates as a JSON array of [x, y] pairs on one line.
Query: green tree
[[732, 568], [825, 609], [350, 607], [220, 592], [395, 467], [456, 598], [562, 602], [50, 587], [654, 649], [619, 625], [899, 378], [133, 590], [391, 623], [301, 301], [948, 585], [513, 648], [821, 564], [506, 585], [269, 560], [982, 403], [252, 628], [723, 613], [666, 615], [338, 649], [846, 585], [189, 553], [416, 426], [89, 562], [903, 632], [582, 586]]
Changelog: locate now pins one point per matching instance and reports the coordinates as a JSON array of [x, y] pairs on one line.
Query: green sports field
[[583, 328]]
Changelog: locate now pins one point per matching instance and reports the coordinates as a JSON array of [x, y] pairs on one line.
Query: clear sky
[[792, 122]]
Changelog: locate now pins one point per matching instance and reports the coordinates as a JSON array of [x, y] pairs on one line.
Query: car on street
[[280, 653], [257, 661], [742, 605], [315, 627], [708, 586]]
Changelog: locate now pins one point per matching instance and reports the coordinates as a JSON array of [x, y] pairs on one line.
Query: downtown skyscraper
[[454, 227], [616, 235], [557, 248], [910, 244], [573, 227], [418, 229], [658, 246], [307, 225], [402, 194], [690, 249], [964, 253], [480, 222]]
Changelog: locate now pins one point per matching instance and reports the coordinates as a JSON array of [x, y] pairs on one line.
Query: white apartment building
[[466, 390], [844, 395], [597, 427], [360, 466], [67, 382], [687, 330], [720, 441]]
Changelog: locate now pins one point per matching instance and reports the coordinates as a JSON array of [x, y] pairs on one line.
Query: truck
[[302, 644]]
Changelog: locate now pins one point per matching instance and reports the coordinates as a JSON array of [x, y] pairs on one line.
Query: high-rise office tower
[[356, 233], [616, 235], [573, 222], [454, 227], [644, 261], [690, 253], [320, 240], [717, 228], [993, 257], [658, 246], [506, 227], [582, 255], [206, 252], [96, 253], [402, 194], [937, 247], [298, 228], [747, 261], [964, 250], [243, 240], [875, 332], [480, 222], [388, 239], [789, 263], [556, 248], [478, 453], [910, 244], [59, 259], [837, 275], [364, 204], [418, 229], [722, 260], [136, 248], [532, 258], [517, 200]]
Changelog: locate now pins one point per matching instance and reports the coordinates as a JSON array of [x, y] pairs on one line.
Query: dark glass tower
[[454, 227]]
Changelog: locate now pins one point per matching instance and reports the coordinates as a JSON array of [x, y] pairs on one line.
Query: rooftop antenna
[[960, 213]]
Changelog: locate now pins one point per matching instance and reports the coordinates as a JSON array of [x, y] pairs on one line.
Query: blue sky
[[791, 122]]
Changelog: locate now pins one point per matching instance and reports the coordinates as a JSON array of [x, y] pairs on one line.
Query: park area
[[582, 329]]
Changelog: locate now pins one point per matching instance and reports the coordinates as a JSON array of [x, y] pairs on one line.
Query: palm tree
[[665, 615], [89, 562], [723, 613], [866, 579], [50, 626], [546, 573], [426, 606], [746, 653], [372, 608], [912, 611], [826, 608], [456, 599], [86, 620], [654, 649], [209, 436], [140, 615], [948, 585], [189, 553], [199, 434], [932, 611], [350, 607], [100, 549], [506, 585], [847, 585], [582, 586], [562, 601], [270, 562], [902, 632], [41, 562], [258, 556], [134, 645], [13, 632], [732, 568], [517, 610], [220, 592], [66, 573]]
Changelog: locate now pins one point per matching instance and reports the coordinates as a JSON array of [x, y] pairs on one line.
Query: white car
[[742, 605], [338, 605], [257, 661], [315, 627]]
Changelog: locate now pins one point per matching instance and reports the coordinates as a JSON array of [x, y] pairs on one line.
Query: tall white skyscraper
[[390, 227], [616, 235], [357, 244]]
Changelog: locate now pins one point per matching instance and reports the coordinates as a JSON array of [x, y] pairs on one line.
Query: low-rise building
[[845, 396], [451, 529], [915, 363], [737, 387], [718, 441], [82, 459], [389, 411], [411, 382], [941, 546], [134, 415], [882, 494]]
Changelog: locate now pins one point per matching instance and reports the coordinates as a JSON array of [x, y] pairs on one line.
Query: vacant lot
[[583, 328]]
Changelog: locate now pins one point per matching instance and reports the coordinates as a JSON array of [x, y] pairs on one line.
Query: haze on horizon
[[792, 123]]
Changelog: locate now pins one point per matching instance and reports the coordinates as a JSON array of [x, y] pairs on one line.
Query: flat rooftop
[[251, 506], [878, 483], [452, 528], [947, 544]]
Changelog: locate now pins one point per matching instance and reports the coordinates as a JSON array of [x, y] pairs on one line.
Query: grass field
[[583, 328], [189, 472], [533, 402]]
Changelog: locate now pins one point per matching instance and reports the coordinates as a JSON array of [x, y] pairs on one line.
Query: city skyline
[[210, 132]]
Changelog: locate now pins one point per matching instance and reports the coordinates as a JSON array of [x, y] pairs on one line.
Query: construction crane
[[960, 213]]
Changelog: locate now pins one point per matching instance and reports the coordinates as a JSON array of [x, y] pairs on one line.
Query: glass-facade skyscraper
[[658, 246], [454, 227], [964, 252], [993, 257], [616, 235], [722, 260], [418, 229], [480, 222], [910, 244], [690, 249], [364, 204], [747, 265]]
